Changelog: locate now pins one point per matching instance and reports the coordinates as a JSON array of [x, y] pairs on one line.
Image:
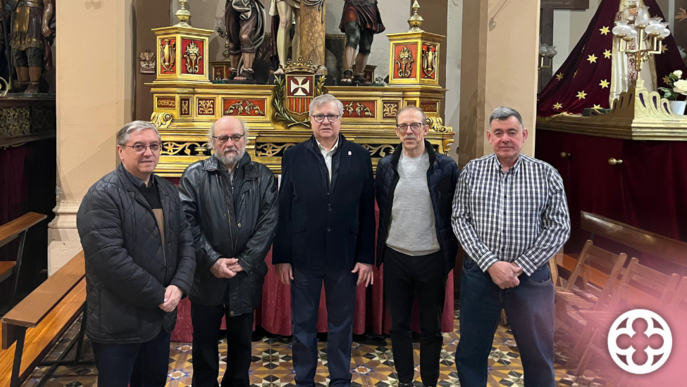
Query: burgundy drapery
[[274, 314], [648, 191], [27, 183], [577, 83]]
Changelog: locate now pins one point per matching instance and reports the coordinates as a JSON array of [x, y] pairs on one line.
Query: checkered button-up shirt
[[517, 216]]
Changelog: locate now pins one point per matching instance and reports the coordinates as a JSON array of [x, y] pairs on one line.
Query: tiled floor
[[371, 364]]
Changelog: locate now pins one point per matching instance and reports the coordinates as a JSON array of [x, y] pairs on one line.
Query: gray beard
[[229, 160]]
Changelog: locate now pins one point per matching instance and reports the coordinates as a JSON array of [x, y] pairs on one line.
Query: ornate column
[[313, 32], [95, 99]]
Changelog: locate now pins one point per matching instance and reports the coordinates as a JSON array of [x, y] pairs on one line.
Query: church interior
[[600, 85]]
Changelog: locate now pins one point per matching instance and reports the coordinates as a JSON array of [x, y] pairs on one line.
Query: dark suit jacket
[[323, 228]]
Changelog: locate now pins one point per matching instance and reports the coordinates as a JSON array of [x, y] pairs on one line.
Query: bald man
[[230, 203]]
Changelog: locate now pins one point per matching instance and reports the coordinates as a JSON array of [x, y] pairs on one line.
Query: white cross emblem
[[301, 86]]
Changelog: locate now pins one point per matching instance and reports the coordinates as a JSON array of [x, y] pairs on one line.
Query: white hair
[[323, 99]]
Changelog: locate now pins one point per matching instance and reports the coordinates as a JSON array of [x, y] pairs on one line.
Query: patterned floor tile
[[372, 363]]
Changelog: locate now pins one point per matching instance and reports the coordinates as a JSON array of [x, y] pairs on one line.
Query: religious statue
[[5, 12], [245, 23], [32, 26], [286, 12], [360, 22]]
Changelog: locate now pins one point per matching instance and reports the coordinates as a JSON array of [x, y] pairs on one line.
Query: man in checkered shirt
[[510, 215]]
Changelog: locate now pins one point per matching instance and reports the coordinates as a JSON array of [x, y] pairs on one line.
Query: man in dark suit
[[325, 233]]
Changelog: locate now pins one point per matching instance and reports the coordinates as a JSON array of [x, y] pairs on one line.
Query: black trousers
[[339, 291], [207, 321], [406, 277], [136, 365]]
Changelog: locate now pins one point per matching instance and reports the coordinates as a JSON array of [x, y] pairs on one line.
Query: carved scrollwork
[[405, 62], [171, 148], [390, 109], [436, 124], [206, 107], [379, 150], [359, 109], [193, 58], [15, 121], [161, 120], [238, 108], [4, 87], [271, 149]]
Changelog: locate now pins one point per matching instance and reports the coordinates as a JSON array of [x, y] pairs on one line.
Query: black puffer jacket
[[220, 233], [126, 270], [442, 177]]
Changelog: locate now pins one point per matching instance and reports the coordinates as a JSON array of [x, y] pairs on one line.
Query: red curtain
[[274, 315], [648, 191], [27, 183]]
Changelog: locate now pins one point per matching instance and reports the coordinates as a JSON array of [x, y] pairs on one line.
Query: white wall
[[568, 28]]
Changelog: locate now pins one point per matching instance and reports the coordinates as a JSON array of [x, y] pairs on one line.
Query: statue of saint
[[5, 57], [32, 25], [245, 23], [360, 22], [288, 12]]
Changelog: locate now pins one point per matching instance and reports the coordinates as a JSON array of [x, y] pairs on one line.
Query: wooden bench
[[659, 246], [32, 327], [17, 228]]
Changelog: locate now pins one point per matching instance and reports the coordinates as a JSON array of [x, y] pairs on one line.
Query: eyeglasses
[[234, 138], [415, 127], [330, 117], [140, 148]]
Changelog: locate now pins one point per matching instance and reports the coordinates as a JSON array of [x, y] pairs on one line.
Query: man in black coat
[[139, 262], [414, 188], [325, 233], [231, 204]]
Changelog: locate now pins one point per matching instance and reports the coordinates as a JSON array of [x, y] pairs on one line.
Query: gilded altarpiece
[[186, 104]]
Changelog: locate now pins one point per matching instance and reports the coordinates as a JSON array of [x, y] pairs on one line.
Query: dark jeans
[[406, 277], [530, 310], [140, 365], [207, 321], [339, 288]]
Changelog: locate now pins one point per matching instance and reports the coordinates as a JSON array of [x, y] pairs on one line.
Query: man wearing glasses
[[414, 189], [231, 205], [139, 262], [325, 233]]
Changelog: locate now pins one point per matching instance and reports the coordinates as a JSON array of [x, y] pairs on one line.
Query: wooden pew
[[10, 231], [660, 246], [32, 327]]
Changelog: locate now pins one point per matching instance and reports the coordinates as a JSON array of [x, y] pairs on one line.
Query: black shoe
[[401, 384]]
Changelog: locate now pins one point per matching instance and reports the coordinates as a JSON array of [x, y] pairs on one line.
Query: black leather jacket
[[222, 231]]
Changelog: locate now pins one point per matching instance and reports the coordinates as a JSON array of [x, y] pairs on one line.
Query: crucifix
[[546, 26]]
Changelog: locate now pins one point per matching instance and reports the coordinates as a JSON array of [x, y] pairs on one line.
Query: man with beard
[[360, 22], [231, 206], [245, 21]]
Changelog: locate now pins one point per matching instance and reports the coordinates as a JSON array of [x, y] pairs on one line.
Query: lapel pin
[[349, 153]]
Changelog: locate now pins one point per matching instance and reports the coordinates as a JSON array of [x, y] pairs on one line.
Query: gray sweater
[[412, 230]]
